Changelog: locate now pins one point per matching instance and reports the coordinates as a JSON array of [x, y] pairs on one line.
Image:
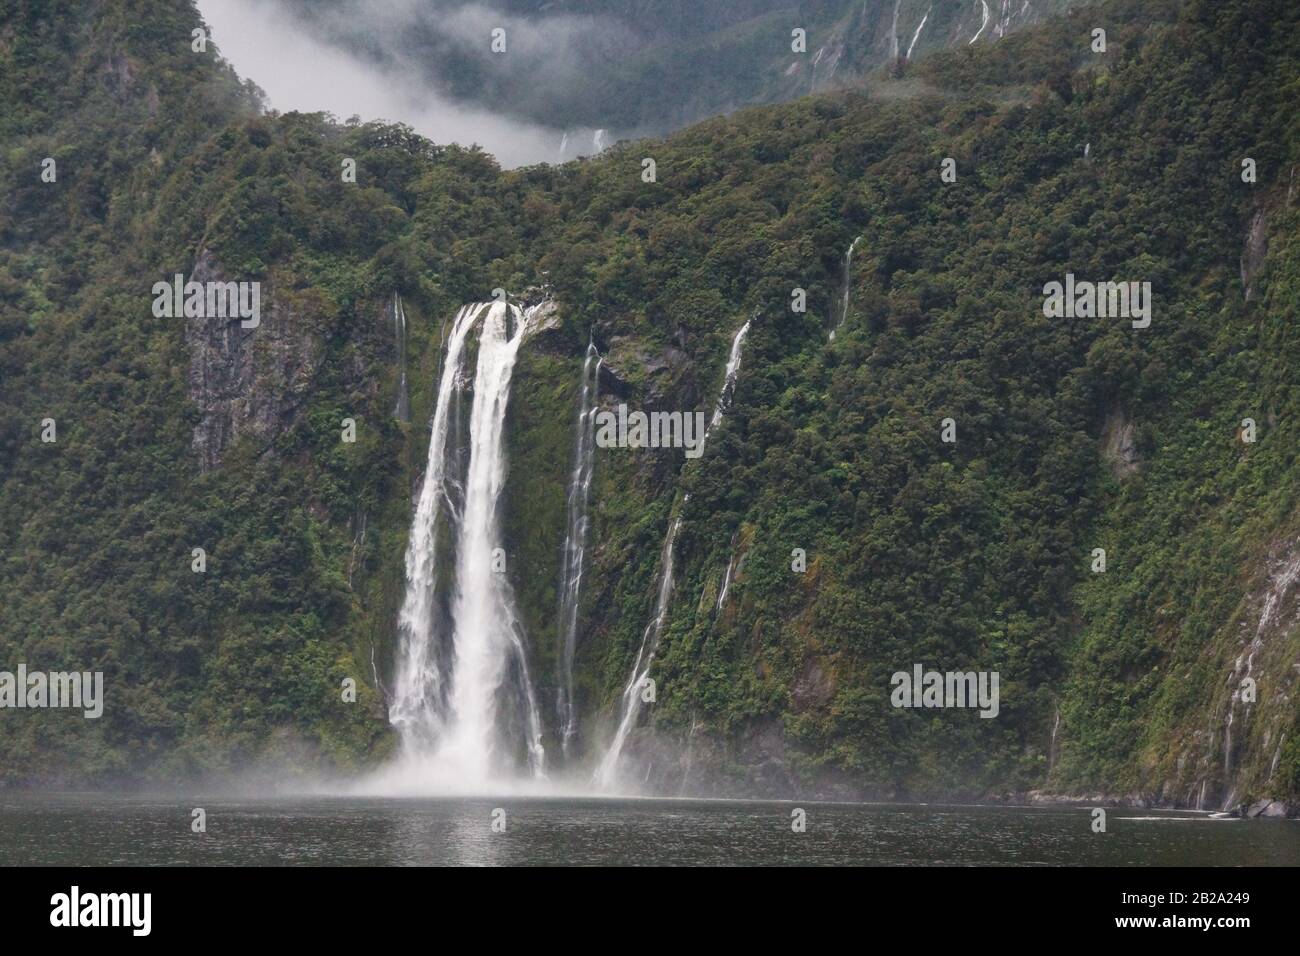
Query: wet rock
[[1266, 807]]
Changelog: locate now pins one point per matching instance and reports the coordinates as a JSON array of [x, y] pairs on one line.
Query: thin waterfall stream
[[575, 541], [607, 772]]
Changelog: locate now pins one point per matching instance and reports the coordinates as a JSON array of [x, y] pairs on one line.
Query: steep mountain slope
[[1072, 434]]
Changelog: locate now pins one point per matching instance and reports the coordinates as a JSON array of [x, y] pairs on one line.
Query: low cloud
[[297, 71]]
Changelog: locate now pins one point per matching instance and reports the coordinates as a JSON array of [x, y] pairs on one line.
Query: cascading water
[[893, 32], [917, 35], [486, 630], [844, 288], [448, 691], [403, 410], [630, 701], [418, 705], [575, 541], [1281, 582], [984, 22], [726, 577], [728, 381]]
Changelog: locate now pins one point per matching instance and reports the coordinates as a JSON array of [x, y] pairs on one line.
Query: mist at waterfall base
[[463, 701]]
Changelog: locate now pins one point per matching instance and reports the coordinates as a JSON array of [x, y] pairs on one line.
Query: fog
[[298, 72]]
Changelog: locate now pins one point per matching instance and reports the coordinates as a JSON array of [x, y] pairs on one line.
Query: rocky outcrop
[[660, 374], [814, 687], [1268, 807], [1119, 443], [248, 382], [1253, 256]]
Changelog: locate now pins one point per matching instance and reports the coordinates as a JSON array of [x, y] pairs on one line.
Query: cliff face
[[831, 538], [247, 383]]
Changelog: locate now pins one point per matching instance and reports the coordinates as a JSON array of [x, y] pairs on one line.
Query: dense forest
[[1072, 434]]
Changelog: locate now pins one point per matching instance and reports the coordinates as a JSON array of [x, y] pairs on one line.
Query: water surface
[[100, 830]]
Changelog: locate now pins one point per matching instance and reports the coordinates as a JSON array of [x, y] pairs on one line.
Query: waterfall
[[403, 410], [728, 381], [630, 701], [983, 24], [1284, 576], [1051, 747], [486, 633], [844, 289], [564, 145], [893, 32], [575, 540], [418, 706], [598, 141], [915, 36], [726, 577], [447, 698]]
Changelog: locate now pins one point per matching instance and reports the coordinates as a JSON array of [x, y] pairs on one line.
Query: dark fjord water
[[76, 829]]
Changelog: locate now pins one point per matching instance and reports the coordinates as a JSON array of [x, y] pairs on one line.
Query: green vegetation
[[967, 556]]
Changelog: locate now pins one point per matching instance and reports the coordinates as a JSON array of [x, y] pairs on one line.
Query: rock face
[[661, 374], [1252, 257], [247, 382], [1267, 808], [814, 687], [1119, 443]]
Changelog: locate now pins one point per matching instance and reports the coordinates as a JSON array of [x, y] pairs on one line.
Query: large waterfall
[[632, 696], [453, 668], [575, 541], [418, 706]]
